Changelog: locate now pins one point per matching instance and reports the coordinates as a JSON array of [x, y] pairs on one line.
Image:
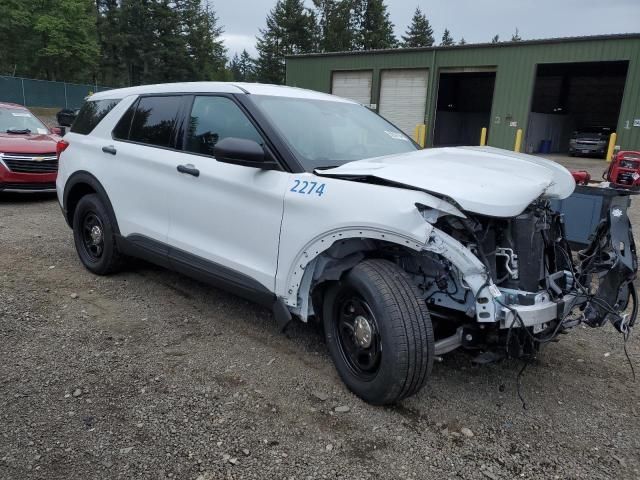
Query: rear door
[[141, 162], [226, 220]]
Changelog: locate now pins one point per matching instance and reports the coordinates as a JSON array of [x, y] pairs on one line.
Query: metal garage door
[[403, 98], [353, 85]]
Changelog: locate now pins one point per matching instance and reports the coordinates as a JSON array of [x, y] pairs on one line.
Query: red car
[[28, 161]]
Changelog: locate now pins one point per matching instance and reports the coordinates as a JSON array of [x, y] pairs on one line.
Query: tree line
[[132, 42]]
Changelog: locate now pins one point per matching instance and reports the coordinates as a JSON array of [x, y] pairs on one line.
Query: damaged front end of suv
[[530, 285], [500, 275]]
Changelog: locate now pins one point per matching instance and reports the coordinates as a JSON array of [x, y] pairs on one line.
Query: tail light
[[61, 146]]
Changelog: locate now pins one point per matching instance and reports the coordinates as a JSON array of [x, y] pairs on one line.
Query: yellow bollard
[[612, 146], [420, 134], [483, 136], [516, 147]]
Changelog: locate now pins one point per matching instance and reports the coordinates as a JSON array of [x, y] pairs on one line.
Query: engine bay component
[[535, 281]]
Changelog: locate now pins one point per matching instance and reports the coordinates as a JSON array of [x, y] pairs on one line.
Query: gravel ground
[[148, 374]]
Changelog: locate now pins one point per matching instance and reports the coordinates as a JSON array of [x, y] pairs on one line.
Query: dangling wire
[[525, 364], [626, 334]]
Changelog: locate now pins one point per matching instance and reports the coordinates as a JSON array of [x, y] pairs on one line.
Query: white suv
[[319, 208]]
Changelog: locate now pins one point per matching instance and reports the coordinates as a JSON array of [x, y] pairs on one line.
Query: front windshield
[[328, 133], [20, 121]]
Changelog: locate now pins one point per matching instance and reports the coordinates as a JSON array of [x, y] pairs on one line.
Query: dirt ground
[[148, 374]]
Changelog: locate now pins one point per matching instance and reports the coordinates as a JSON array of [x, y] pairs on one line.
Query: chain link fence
[[43, 93]]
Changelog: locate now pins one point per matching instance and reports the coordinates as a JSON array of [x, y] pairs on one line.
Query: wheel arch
[[328, 256], [78, 185]]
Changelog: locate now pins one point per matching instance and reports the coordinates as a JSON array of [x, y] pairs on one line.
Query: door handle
[[189, 170], [109, 149]]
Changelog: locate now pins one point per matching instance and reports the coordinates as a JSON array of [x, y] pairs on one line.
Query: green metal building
[[547, 88]]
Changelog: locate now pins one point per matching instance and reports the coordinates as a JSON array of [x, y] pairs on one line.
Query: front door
[[228, 215]]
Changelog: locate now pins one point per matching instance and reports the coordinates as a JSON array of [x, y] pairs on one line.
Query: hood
[[599, 137], [38, 143], [483, 180]]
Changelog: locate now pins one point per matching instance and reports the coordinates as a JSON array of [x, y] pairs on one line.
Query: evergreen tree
[[247, 67], [138, 37], [335, 30], [170, 61], [234, 68], [111, 42], [148, 41], [516, 36], [291, 29], [205, 50], [495, 39], [376, 28], [462, 41], [242, 67], [357, 9], [447, 39], [419, 33]]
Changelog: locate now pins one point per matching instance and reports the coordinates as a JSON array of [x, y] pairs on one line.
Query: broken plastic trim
[[611, 256]]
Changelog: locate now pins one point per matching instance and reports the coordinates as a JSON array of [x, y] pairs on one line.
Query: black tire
[[100, 257], [399, 321]]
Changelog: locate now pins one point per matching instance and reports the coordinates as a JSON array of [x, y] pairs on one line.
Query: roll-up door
[[403, 98], [353, 85]]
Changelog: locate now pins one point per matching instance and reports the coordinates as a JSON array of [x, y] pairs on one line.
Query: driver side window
[[215, 118]]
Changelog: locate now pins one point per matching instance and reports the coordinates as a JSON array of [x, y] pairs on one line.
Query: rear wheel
[[94, 237], [379, 332]]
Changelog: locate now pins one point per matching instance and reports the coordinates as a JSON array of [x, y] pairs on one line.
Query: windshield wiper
[[19, 131]]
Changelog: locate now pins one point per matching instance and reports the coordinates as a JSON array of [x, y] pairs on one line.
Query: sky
[[475, 20]]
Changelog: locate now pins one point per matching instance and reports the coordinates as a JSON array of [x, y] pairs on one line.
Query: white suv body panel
[[312, 223], [133, 179], [229, 215], [488, 181], [218, 87]]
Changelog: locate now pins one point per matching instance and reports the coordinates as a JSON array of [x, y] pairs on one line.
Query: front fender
[[348, 209], [316, 247]]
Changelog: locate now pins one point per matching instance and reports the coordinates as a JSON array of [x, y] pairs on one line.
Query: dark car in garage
[[590, 141]]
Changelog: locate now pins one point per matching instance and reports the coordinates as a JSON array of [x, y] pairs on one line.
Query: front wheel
[[379, 332]]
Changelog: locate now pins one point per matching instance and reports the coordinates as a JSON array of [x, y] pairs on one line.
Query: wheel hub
[[362, 331], [96, 235]]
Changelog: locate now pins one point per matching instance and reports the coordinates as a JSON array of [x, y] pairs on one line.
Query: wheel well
[[342, 256], [78, 191]]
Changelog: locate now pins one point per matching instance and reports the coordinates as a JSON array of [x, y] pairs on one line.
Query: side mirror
[[58, 131], [240, 151]]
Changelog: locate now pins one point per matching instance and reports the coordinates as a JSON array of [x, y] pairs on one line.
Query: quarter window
[[90, 115], [214, 118], [151, 120]]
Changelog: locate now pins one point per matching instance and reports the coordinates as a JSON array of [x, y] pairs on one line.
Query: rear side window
[[151, 120], [90, 115]]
